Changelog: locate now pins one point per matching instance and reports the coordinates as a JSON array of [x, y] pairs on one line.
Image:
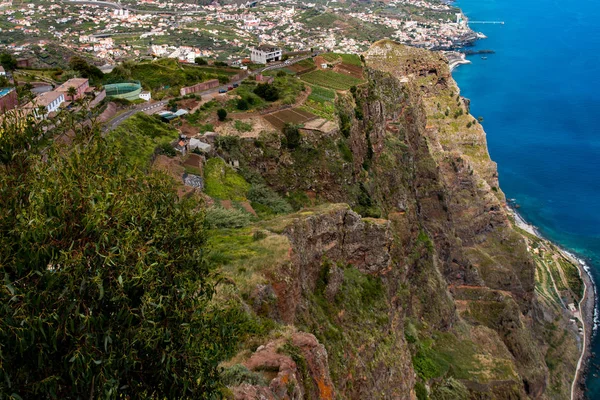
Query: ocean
[[539, 95]]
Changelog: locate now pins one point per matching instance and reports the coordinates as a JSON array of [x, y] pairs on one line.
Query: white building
[[46, 103], [145, 95], [264, 54], [2, 71]]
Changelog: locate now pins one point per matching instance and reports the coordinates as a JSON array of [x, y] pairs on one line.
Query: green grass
[[139, 136], [242, 126], [351, 59], [321, 95], [165, 74], [330, 79], [222, 182]]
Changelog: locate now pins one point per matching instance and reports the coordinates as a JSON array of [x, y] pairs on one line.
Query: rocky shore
[[586, 308]]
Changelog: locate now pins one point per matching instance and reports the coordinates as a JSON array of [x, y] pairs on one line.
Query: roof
[[181, 112], [2, 69], [75, 82], [267, 48], [45, 99]]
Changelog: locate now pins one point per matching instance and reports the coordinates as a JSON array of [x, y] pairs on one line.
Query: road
[[155, 107]]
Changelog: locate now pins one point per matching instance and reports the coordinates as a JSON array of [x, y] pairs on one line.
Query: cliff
[[403, 277]]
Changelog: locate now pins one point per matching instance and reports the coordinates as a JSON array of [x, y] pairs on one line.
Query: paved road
[[155, 107]]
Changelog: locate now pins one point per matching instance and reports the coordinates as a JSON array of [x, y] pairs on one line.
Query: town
[[111, 32]]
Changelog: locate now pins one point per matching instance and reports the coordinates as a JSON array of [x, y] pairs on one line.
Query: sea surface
[[539, 96]]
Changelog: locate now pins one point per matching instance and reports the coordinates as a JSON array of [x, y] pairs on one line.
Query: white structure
[[2, 71], [197, 144], [264, 54], [145, 95], [46, 103]]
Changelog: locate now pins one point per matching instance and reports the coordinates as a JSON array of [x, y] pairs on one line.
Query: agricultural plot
[[321, 95], [331, 79], [349, 69], [293, 116]]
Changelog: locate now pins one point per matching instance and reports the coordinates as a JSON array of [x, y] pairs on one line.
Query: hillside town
[[109, 32]]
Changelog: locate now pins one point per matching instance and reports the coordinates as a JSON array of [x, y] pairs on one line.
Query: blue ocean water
[[540, 99]]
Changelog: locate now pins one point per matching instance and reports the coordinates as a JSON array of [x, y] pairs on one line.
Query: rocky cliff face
[[434, 298]]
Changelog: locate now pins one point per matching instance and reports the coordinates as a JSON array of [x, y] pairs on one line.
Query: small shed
[[197, 144]]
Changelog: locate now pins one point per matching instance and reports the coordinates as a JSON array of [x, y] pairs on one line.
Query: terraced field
[[331, 79], [293, 115]]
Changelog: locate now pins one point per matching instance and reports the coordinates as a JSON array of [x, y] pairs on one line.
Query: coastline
[[456, 59], [586, 306]]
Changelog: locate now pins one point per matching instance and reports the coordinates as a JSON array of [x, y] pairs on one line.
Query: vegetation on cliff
[[376, 260]]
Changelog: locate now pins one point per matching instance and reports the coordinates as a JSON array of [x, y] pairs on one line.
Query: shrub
[[242, 126], [421, 391], [238, 374], [267, 92], [219, 217], [264, 195], [106, 292], [222, 114], [292, 136], [166, 149], [200, 61], [242, 104]]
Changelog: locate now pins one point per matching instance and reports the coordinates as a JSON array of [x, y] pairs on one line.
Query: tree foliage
[[267, 91], [8, 61], [85, 69], [292, 136], [222, 114], [105, 290]]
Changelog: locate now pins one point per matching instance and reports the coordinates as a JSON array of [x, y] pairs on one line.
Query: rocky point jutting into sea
[[409, 278]]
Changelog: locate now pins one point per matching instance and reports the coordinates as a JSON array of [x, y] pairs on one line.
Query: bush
[[166, 149], [292, 136], [242, 104], [200, 61], [264, 195], [267, 92], [222, 114], [242, 126], [219, 217], [238, 374], [421, 391], [106, 292], [281, 74]]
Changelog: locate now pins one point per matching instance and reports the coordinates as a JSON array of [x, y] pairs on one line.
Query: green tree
[[267, 91], [105, 293], [72, 92], [292, 135], [222, 114], [242, 104], [200, 61], [8, 61]]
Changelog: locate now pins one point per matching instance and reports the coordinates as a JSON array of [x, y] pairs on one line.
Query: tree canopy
[[106, 292]]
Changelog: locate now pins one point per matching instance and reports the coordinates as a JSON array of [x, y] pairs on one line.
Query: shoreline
[[456, 59], [586, 306]]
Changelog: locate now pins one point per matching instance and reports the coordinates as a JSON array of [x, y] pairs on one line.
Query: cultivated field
[[331, 79], [293, 116]]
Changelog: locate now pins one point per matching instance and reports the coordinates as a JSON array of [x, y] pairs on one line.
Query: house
[[145, 95], [8, 99], [46, 103], [265, 54], [2, 71], [80, 85]]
